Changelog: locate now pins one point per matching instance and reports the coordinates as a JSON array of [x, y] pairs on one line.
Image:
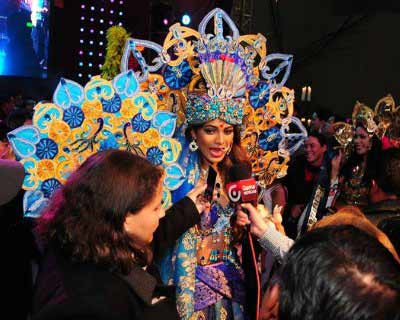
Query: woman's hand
[[277, 219], [335, 165], [196, 195]]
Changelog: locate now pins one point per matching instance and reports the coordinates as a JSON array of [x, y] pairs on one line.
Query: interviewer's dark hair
[[85, 219], [339, 272]]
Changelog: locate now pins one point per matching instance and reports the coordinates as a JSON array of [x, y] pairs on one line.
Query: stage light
[[120, 24], [101, 20], [91, 19], [186, 19], [81, 41], [83, 6], [112, 11], [102, 9], [91, 41], [120, 13], [89, 76], [82, 18], [92, 8], [100, 65], [91, 30], [101, 43], [90, 64], [121, 2], [111, 22], [82, 29], [80, 75], [81, 64], [100, 54], [81, 52], [101, 31], [90, 53], [165, 21]]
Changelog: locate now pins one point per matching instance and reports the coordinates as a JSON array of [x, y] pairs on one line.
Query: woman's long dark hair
[[85, 218], [373, 157]]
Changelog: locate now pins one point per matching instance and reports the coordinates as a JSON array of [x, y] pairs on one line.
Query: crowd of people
[[100, 247], [112, 242]]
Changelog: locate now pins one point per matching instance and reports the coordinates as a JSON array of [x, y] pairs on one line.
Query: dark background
[[344, 50]]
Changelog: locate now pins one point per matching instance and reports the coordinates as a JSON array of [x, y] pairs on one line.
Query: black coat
[[66, 290]]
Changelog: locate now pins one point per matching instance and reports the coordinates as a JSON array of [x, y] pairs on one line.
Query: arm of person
[[334, 180], [183, 215], [265, 231]]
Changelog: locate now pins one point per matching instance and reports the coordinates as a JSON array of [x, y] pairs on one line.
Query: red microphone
[[243, 188]]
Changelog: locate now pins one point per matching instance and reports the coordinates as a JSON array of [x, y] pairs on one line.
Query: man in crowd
[[385, 187], [303, 173], [328, 274]]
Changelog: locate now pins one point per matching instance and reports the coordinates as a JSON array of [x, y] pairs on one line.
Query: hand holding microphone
[[259, 222]]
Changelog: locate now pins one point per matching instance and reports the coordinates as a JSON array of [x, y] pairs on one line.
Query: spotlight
[[165, 21], [186, 19]]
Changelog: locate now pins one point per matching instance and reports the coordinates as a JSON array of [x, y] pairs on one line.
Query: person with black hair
[[302, 177], [384, 193], [100, 232], [329, 274], [360, 168]]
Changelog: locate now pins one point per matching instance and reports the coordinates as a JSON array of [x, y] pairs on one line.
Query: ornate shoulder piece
[[82, 121]]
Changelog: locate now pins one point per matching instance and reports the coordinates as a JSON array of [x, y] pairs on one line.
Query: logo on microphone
[[242, 191]]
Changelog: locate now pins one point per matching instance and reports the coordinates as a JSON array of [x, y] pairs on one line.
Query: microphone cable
[[254, 258]]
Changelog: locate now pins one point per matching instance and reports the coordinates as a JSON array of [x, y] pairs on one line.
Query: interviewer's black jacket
[[66, 290]]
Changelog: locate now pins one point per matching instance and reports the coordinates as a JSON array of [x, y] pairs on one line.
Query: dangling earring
[[229, 151], [193, 145]]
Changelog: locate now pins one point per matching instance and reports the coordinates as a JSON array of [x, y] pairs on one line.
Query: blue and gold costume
[[196, 77]]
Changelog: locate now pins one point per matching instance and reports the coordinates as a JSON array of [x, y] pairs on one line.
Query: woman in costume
[[360, 167], [206, 253], [173, 122]]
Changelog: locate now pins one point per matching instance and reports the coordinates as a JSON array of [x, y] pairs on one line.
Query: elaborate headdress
[[200, 77], [382, 121]]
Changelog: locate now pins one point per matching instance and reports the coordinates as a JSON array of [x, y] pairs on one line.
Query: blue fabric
[[179, 265]]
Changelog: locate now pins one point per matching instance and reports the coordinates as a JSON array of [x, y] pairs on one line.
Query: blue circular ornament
[[139, 124], [269, 139], [112, 105], [49, 186], [259, 96], [154, 155], [73, 116], [179, 76], [46, 149]]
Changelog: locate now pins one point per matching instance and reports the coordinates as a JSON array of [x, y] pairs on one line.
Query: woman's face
[[362, 141], [215, 139], [141, 225]]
